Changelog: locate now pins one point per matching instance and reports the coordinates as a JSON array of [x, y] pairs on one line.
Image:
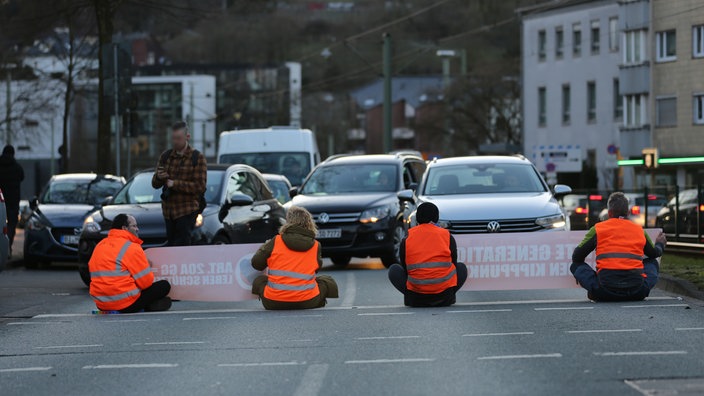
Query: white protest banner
[[206, 273], [521, 261]]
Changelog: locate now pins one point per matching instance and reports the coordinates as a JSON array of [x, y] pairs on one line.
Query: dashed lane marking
[[350, 290], [69, 346], [655, 306], [690, 329], [380, 361], [170, 343], [23, 369], [312, 380], [387, 338], [385, 313], [563, 308], [263, 364], [498, 334], [130, 366], [36, 323], [603, 331], [640, 353], [510, 357], [480, 310]]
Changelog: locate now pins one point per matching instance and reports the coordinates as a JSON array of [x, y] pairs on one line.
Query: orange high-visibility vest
[[119, 271], [291, 273], [429, 260], [619, 245]]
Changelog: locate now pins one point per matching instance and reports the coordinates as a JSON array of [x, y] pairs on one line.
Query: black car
[[354, 202], [240, 209], [689, 220], [52, 231]]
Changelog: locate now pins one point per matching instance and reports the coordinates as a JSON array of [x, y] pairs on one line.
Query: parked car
[[52, 231], [240, 209], [353, 200], [575, 207], [280, 187], [636, 209], [691, 206], [486, 194], [4, 241]]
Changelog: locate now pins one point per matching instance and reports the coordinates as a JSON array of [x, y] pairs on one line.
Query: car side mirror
[[33, 203], [293, 192], [241, 200], [405, 196], [413, 186], [561, 190]]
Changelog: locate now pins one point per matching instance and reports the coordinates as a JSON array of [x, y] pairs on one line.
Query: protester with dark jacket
[[11, 176], [293, 258]]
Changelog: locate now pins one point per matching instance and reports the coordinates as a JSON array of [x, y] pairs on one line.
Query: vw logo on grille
[[323, 218], [493, 226]]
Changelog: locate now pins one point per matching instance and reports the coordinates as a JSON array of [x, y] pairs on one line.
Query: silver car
[[490, 194], [4, 242]]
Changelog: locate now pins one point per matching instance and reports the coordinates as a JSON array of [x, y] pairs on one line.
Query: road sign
[[612, 149], [564, 158], [550, 167]]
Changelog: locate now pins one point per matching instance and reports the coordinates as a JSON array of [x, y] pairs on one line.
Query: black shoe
[[590, 296], [159, 305]]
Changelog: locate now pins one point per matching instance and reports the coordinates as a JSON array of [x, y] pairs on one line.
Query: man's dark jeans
[[589, 280], [178, 230], [149, 296], [399, 276]]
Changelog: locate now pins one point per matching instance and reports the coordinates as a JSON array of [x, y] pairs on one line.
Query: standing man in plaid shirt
[[181, 174]]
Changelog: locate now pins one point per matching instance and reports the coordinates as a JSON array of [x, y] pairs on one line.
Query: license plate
[[70, 239], [329, 233]]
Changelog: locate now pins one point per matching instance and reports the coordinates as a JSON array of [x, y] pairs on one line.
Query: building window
[[595, 40], [591, 101], [634, 47], [618, 101], [566, 104], [576, 40], [542, 106], [559, 42], [698, 41], [613, 34], [634, 110], [542, 45], [665, 46], [699, 109], [666, 111]]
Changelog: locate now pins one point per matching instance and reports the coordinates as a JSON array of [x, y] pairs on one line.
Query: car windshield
[[280, 190], [80, 191], [344, 179], [139, 190], [294, 165], [482, 179]]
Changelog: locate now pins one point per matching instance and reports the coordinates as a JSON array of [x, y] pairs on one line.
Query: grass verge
[[687, 267]]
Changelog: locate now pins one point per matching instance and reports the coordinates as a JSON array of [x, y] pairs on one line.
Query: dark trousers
[[326, 285], [12, 214], [589, 280], [399, 276], [178, 230], [149, 296]]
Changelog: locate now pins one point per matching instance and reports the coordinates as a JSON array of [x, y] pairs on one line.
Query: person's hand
[[161, 174], [661, 239], [169, 183]]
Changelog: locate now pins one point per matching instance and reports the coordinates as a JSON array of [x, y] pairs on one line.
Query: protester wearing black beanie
[[427, 212]]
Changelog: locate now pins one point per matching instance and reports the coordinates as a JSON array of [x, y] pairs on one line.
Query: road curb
[[679, 286]]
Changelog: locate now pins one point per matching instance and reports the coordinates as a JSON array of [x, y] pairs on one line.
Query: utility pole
[[116, 96], [388, 125]]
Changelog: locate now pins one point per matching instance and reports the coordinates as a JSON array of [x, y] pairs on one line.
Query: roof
[[552, 5], [415, 90], [479, 159]]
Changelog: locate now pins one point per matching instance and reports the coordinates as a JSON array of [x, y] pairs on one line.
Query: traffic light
[[650, 157]]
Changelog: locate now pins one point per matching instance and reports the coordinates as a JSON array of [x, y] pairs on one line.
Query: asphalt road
[[364, 343]]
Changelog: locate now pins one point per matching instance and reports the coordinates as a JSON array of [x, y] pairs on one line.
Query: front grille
[[480, 226], [57, 233], [336, 218]]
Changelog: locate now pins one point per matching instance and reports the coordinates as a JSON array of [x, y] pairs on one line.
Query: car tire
[[220, 240], [85, 275], [398, 236], [340, 261]]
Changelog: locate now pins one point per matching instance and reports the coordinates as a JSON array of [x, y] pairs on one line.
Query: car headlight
[[555, 221], [199, 220], [375, 214], [92, 224], [35, 224]]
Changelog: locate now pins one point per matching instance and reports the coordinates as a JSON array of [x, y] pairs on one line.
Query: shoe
[[159, 305], [590, 296]]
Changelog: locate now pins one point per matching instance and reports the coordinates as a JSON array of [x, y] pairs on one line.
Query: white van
[[287, 151]]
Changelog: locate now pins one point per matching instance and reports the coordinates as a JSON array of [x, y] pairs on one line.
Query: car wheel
[[340, 261], [221, 240], [85, 275], [398, 236]]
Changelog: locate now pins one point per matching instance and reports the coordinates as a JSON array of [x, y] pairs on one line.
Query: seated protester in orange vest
[[121, 278], [622, 272], [293, 258], [428, 274]]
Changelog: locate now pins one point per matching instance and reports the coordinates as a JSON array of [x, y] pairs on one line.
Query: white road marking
[[655, 306], [312, 380], [69, 346], [603, 331], [214, 318], [386, 338], [562, 308], [350, 291], [689, 329], [498, 334], [170, 343], [385, 313], [300, 340], [34, 323], [508, 357], [130, 366], [480, 310], [375, 361], [128, 320], [640, 353], [264, 364], [21, 369]]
